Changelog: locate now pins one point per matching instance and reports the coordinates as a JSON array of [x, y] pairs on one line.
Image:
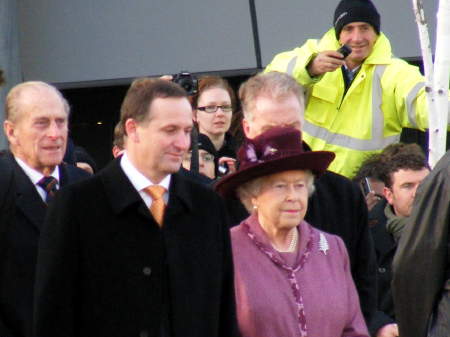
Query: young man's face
[[403, 190], [361, 37]]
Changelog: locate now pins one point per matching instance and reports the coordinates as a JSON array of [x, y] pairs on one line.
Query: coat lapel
[[120, 191], [180, 200], [27, 198]]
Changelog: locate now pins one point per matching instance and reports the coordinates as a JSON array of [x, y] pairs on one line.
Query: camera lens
[[187, 81], [186, 86]]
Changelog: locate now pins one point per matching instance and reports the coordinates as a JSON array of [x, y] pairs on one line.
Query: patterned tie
[[49, 185], [158, 206]]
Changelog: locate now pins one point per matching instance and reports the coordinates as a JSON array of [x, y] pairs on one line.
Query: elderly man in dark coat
[[36, 126], [421, 280], [118, 259]]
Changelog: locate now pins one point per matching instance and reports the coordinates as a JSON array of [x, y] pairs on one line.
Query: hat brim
[[315, 161]]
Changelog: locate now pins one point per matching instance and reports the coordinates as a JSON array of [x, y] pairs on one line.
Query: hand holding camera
[[226, 165], [328, 61]]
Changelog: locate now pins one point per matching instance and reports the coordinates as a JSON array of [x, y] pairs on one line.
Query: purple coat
[[314, 296]]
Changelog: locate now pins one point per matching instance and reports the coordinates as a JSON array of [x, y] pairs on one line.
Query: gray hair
[[253, 187], [273, 84], [14, 99]]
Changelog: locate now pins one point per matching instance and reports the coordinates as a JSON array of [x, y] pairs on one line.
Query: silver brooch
[[323, 244], [269, 151]]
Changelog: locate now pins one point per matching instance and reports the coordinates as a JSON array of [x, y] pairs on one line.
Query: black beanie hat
[[348, 11]]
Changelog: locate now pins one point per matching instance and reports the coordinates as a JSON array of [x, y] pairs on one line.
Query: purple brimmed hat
[[277, 150]]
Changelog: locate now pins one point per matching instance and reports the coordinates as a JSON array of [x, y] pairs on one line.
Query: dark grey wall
[[90, 40], [286, 24], [73, 42]]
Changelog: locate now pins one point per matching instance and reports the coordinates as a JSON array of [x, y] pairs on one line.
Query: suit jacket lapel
[[63, 175], [28, 199], [179, 197], [120, 191]]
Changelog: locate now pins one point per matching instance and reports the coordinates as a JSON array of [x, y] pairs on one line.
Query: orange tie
[[158, 205]]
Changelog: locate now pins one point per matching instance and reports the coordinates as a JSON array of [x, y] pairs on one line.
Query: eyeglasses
[[213, 108]]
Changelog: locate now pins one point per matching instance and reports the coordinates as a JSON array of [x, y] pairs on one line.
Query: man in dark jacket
[[421, 280], [403, 168], [117, 258], [337, 206], [36, 128]]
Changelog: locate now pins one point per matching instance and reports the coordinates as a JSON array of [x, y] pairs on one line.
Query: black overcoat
[[385, 247], [105, 268], [22, 213], [421, 266]]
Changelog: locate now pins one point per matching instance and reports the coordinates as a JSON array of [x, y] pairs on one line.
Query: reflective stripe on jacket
[[386, 95]]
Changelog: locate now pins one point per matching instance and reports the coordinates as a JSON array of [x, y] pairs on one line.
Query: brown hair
[[142, 93], [401, 157], [119, 134], [210, 82]]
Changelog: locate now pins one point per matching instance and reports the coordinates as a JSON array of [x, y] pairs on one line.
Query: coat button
[[147, 271], [143, 333], [381, 270]]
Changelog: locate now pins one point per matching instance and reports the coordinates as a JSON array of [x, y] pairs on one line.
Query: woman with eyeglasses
[[213, 108]]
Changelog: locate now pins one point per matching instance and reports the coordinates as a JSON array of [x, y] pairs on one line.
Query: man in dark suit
[[124, 267], [421, 267], [337, 206], [36, 128]]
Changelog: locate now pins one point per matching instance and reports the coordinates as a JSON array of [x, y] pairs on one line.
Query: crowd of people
[[190, 231]]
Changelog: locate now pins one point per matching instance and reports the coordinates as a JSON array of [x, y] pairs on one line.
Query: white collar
[[137, 179], [353, 71], [33, 174]]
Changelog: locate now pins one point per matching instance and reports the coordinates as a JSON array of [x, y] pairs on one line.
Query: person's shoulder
[[6, 165], [319, 232], [74, 173], [238, 229], [196, 177], [193, 186], [238, 234]]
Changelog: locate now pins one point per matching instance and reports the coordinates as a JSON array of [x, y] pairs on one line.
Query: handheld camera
[[345, 50], [187, 81]]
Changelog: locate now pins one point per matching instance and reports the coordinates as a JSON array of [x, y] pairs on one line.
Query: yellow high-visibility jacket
[[386, 95]]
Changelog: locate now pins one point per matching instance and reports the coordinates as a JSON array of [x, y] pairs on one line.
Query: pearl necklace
[[292, 244]]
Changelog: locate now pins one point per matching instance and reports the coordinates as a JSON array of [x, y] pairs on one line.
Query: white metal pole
[[438, 130], [424, 40], [428, 70]]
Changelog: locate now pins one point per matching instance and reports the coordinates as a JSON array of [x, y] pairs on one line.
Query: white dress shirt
[[35, 176], [141, 182]]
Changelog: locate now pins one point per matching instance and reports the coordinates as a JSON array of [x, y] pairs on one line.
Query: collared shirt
[[141, 182], [349, 75], [35, 176]]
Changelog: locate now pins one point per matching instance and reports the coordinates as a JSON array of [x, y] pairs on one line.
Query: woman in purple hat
[[290, 278]]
